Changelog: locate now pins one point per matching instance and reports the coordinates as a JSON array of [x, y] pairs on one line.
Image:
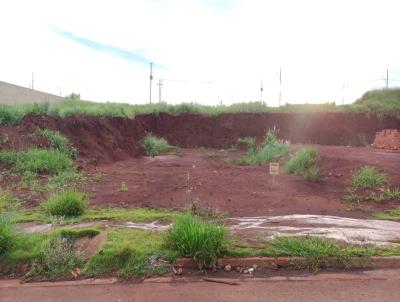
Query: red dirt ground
[[172, 181], [109, 148]]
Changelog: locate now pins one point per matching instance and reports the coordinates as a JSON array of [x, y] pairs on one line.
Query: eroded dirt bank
[[105, 140]]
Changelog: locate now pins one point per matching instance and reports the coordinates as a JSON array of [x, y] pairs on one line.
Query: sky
[[204, 51]]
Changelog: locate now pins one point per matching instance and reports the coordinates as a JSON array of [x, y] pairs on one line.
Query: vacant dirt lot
[[208, 176]]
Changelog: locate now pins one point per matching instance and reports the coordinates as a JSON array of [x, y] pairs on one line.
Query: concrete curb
[[298, 262]]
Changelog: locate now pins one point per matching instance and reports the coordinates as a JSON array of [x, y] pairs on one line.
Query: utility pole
[[261, 92], [33, 77], [280, 85], [151, 78], [387, 78], [160, 85]]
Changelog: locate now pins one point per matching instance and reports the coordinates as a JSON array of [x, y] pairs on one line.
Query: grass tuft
[[67, 203], [304, 162], [271, 149], [191, 237], [368, 177], [154, 146]]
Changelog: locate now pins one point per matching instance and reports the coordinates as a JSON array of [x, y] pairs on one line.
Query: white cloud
[[320, 45]]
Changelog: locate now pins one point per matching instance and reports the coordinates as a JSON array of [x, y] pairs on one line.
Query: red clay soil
[[102, 140], [388, 139], [172, 181]]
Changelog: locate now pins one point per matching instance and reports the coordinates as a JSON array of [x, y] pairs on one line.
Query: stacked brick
[[388, 139]]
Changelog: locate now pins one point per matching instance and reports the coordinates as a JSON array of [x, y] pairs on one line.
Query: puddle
[[152, 226], [32, 228], [354, 231]]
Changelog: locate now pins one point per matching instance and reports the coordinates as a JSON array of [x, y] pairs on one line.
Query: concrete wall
[[11, 94]]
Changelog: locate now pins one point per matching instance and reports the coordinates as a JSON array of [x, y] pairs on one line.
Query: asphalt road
[[380, 285]]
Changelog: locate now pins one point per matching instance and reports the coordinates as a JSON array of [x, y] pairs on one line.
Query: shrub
[[155, 146], [200, 240], [271, 149], [304, 162], [67, 203], [59, 142], [7, 233], [369, 177], [58, 258], [37, 161]]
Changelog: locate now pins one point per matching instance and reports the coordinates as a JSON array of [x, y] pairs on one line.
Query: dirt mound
[[103, 140], [98, 139], [388, 139]]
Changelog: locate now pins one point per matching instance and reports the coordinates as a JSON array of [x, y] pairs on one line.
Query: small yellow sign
[[274, 168]]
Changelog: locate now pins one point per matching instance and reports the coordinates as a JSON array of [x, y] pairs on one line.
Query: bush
[[37, 161], [59, 142], [369, 177], [271, 149], [7, 233], [57, 259], [67, 203], [304, 162], [200, 240], [155, 146]]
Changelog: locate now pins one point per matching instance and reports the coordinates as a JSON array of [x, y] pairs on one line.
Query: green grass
[[383, 102], [64, 180], [37, 161], [386, 194], [59, 142], [316, 250], [7, 232], [304, 162], [67, 203], [129, 252], [153, 145], [29, 249], [93, 214], [201, 240], [8, 202], [389, 215], [271, 149], [57, 258], [368, 177]]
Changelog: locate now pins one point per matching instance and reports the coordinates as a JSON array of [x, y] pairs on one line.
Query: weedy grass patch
[[7, 232], [304, 162], [203, 241], [130, 252], [59, 142], [8, 202], [271, 149], [154, 146], [66, 203], [37, 161], [368, 177]]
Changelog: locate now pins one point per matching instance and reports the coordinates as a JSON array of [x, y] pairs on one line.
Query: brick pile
[[388, 139]]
